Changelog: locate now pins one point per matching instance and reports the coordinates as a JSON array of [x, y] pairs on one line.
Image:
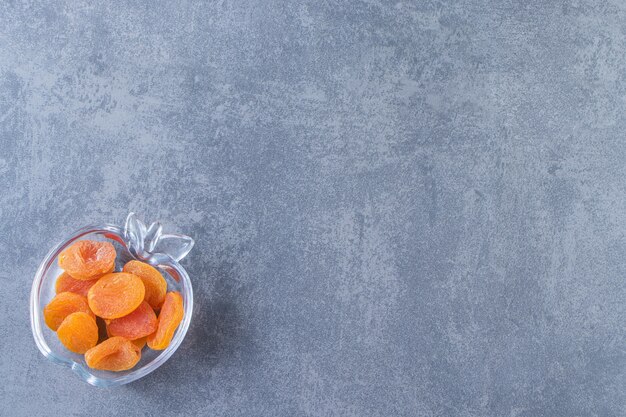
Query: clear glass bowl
[[134, 241]]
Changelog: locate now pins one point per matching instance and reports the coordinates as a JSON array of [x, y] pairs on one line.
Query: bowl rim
[[115, 233]]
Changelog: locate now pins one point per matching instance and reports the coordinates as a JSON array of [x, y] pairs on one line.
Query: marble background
[[400, 208]]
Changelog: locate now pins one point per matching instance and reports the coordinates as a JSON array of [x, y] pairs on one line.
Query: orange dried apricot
[[61, 306], [87, 259], [116, 295], [65, 282], [153, 281], [114, 354], [140, 323], [78, 332], [169, 318]]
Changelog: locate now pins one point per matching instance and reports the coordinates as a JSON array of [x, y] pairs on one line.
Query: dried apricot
[[169, 318], [140, 323], [65, 282], [116, 295], [153, 281], [114, 354], [61, 306], [78, 332], [87, 259]]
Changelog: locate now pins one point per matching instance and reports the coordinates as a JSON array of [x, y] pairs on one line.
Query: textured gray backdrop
[[401, 208]]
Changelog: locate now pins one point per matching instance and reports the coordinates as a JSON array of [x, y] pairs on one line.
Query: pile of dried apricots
[[126, 301]]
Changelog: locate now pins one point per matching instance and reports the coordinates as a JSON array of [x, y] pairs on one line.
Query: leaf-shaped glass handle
[[150, 242], [152, 235], [176, 246], [135, 233]]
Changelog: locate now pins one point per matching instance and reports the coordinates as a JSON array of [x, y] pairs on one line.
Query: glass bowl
[[134, 241]]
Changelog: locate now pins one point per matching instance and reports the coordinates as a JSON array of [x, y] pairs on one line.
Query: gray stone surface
[[401, 208]]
